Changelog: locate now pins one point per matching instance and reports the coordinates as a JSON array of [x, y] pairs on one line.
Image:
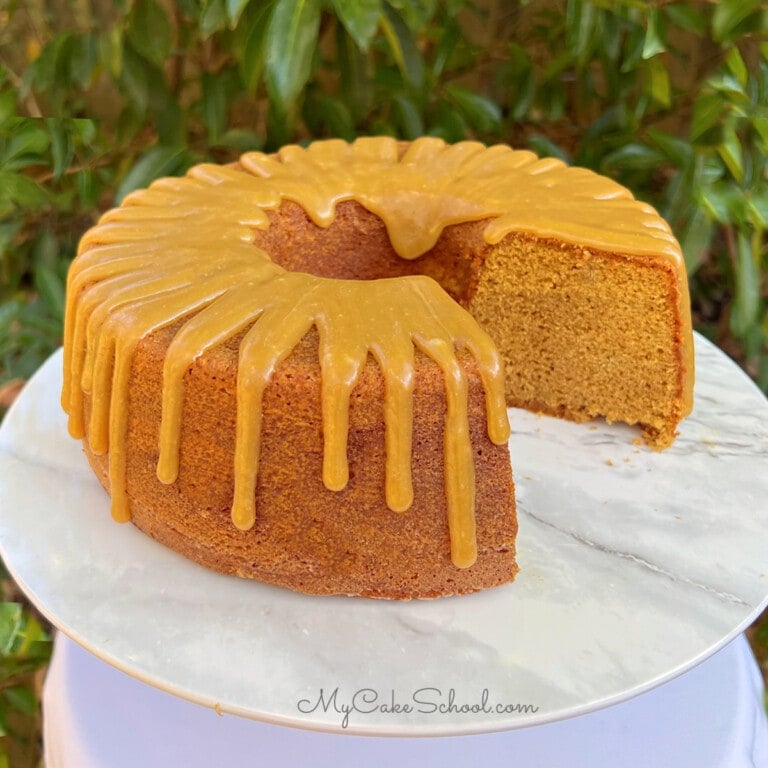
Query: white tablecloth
[[98, 717]]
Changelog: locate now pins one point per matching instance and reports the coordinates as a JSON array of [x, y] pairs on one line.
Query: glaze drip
[[433, 185], [182, 251]]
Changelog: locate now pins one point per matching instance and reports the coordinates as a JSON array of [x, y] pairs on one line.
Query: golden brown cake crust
[[307, 537]]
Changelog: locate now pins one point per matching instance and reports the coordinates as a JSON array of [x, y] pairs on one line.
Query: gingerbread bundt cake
[[285, 369]]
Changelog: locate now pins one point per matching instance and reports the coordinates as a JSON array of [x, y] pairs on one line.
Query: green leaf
[[446, 47], [757, 203], [214, 18], [22, 698], [634, 156], [280, 124], [251, 64], [723, 201], [170, 123], [87, 188], [448, 51], [190, 7], [24, 645], [83, 59], [523, 91], [707, 113], [51, 289], [111, 51], [45, 249], [581, 29], [736, 64], [403, 46], [382, 128], [634, 48], [691, 18], [696, 239], [448, 123], [660, 88], [454, 6], [29, 140], [17, 190], [762, 382], [731, 153], [556, 67], [84, 130], [407, 116], [360, 18], [729, 86], [234, 10], [759, 87], [11, 623], [214, 106], [614, 120], [9, 313], [290, 46], [8, 232], [746, 303], [416, 13], [37, 328], [545, 147], [733, 17], [683, 188], [353, 74], [332, 114], [150, 32], [654, 35], [482, 113], [612, 33], [8, 110], [50, 66], [241, 140], [62, 148], [551, 99], [134, 79], [677, 150], [154, 163]]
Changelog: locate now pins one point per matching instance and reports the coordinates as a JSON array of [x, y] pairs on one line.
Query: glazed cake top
[[420, 191]]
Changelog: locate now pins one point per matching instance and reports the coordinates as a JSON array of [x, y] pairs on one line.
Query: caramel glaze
[[183, 250]]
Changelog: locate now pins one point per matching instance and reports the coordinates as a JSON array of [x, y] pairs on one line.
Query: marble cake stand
[[635, 566]]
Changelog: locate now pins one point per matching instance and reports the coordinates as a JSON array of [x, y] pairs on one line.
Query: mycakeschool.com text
[[423, 701]]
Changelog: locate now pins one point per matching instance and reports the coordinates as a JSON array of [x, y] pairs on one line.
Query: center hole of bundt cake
[[356, 246]]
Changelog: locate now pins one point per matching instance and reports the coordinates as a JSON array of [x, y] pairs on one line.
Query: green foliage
[[45, 191], [25, 648], [24, 645], [671, 99]]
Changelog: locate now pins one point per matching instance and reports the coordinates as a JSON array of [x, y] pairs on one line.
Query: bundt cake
[[296, 368]]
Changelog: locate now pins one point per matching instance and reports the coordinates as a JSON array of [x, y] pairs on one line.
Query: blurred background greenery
[[99, 97]]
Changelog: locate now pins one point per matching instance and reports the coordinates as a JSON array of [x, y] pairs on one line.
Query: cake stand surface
[[635, 566]]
